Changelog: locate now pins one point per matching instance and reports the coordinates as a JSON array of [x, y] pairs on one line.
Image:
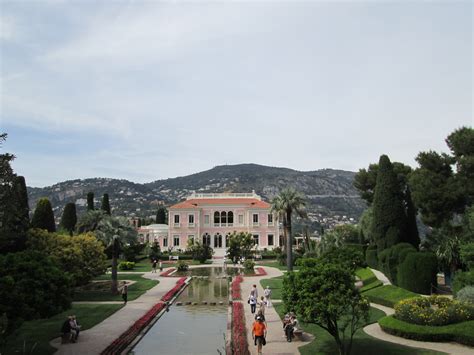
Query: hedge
[[418, 272], [390, 259], [462, 279], [371, 256], [462, 333], [388, 295]]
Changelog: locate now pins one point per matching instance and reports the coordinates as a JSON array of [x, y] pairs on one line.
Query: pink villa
[[211, 217]]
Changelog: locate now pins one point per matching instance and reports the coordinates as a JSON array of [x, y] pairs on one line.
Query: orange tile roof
[[201, 202]]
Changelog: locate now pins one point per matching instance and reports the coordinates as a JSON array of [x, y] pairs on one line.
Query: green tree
[[388, 210], [114, 232], [69, 218], [14, 219], [105, 204], [324, 294], [82, 257], [366, 225], [43, 217], [289, 201], [412, 235], [239, 246], [161, 215], [200, 252], [90, 201], [89, 221]]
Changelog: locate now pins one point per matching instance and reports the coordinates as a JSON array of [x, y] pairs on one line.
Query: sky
[[145, 90]]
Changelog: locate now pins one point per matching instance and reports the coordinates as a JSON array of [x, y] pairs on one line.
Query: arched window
[[230, 218], [223, 218], [227, 236], [217, 218], [206, 239], [218, 240]]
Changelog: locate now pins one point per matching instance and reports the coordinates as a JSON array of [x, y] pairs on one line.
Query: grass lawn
[[274, 263], [368, 278], [134, 291], [38, 333], [276, 285], [388, 295], [362, 344]]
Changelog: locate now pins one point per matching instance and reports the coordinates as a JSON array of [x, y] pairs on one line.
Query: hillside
[[329, 192]]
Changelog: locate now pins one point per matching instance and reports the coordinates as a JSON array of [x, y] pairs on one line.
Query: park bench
[[298, 334], [174, 257]]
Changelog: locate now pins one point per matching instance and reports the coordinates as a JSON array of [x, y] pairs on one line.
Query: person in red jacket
[[259, 332]]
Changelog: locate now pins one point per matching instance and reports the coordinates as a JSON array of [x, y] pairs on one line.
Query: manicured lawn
[[388, 295], [460, 332], [275, 263], [276, 285], [362, 344], [368, 278], [134, 291], [34, 336]]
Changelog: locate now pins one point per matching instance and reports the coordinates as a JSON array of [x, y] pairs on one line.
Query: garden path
[[379, 275], [276, 341], [96, 339]]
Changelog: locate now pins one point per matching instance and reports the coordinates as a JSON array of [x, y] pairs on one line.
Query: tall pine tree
[[22, 195], [389, 224], [69, 218], [411, 236], [90, 201], [43, 216], [105, 204], [161, 215]]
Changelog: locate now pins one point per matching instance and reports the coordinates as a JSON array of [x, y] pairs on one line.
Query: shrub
[[433, 310], [466, 294], [461, 332], [126, 265], [182, 266], [418, 272], [349, 257], [371, 256], [249, 265], [391, 258], [462, 279]]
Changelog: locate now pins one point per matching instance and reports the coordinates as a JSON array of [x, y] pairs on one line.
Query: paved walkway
[[381, 277], [276, 341], [94, 340]]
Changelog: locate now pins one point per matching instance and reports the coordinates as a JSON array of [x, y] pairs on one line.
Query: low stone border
[[121, 343]]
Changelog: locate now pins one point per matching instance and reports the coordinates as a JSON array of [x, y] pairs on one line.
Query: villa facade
[[212, 217]]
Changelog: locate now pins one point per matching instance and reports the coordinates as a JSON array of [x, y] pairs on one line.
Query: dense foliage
[[466, 294], [390, 259], [105, 204], [201, 252], [43, 217], [417, 272], [69, 218], [161, 215], [90, 201], [32, 285], [239, 246]]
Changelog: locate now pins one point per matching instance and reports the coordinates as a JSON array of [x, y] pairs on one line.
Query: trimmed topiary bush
[[462, 279], [418, 272], [126, 265], [371, 256], [433, 310], [388, 295], [182, 266], [390, 259], [466, 294], [249, 264]]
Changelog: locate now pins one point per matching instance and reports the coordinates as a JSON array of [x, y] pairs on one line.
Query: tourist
[[154, 266], [73, 330], [262, 304], [262, 316], [77, 326], [161, 266], [125, 293], [290, 327], [259, 332], [253, 303], [254, 291], [66, 329], [267, 292]]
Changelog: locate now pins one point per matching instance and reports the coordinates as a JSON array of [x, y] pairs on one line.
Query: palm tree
[[115, 231], [288, 201]]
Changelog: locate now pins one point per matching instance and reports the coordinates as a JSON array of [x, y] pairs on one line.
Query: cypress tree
[[389, 224], [161, 215], [105, 204], [411, 236], [90, 201], [69, 218], [43, 216], [22, 196]]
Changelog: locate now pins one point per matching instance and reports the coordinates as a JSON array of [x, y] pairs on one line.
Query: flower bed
[[259, 271], [167, 272], [236, 295], [119, 344], [433, 310], [239, 331]]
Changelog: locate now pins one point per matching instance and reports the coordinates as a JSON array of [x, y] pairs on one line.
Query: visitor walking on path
[[161, 266], [262, 304], [254, 291], [252, 301], [154, 266], [125, 293], [259, 333], [268, 293]]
